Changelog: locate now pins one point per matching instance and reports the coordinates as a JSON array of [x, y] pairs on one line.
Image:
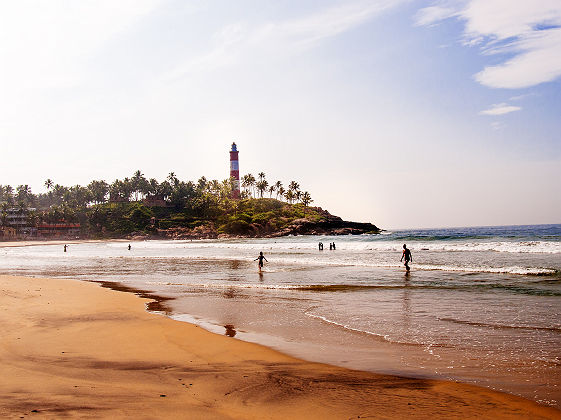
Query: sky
[[406, 114]]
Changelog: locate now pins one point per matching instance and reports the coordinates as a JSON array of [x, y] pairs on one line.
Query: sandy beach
[[76, 349]]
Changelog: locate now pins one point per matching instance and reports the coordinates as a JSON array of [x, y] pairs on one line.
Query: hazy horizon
[[406, 114]]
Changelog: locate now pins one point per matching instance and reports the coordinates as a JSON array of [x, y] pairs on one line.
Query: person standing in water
[[261, 257], [407, 255]]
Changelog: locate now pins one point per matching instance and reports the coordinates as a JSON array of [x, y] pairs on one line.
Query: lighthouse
[[235, 171]]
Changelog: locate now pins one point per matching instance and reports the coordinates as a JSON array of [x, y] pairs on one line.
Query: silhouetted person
[[407, 255], [129, 247], [320, 246], [65, 247], [333, 246], [330, 246], [261, 257]]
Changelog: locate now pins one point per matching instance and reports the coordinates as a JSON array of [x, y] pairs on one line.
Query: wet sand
[[75, 349]]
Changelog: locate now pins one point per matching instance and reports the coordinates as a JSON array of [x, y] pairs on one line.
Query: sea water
[[480, 305]]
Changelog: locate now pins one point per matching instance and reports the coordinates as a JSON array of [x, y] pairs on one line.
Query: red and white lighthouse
[[235, 171]]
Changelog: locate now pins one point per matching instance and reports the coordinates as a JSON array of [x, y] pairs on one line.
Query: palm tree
[[165, 189], [261, 176], [278, 186], [126, 189], [226, 188], [280, 192], [272, 189], [82, 195], [115, 190], [293, 186], [173, 179], [262, 187], [49, 184], [306, 199], [289, 195], [139, 184], [215, 187], [202, 184], [32, 218], [24, 194], [154, 187], [98, 191], [4, 215], [248, 181], [58, 192], [245, 182], [9, 194]]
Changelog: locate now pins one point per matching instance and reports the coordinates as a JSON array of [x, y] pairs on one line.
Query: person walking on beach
[[65, 247], [320, 246], [333, 246], [261, 257], [407, 255], [129, 247]]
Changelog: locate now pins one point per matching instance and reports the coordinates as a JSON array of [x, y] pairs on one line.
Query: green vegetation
[[145, 206]]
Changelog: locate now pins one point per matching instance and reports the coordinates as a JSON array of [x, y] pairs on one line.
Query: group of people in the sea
[[405, 255], [331, 246], [66, 247]]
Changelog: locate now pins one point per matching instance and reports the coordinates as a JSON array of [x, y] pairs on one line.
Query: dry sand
[[74, 349]]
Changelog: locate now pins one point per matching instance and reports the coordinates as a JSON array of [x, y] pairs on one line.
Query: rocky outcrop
[[332, 226], [207, 231]]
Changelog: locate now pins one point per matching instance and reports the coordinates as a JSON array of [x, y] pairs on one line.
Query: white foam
[[348, 327], [356, 244]]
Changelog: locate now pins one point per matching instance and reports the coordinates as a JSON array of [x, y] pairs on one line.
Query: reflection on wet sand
[[157, 304], [230, 293], [230, 330]]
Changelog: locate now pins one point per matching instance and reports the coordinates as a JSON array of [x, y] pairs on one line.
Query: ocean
[[480, 305]]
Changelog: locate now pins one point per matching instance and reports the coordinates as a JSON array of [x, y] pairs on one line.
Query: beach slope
[[75, 349]]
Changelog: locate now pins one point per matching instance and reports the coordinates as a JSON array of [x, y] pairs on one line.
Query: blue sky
[[402, 113]]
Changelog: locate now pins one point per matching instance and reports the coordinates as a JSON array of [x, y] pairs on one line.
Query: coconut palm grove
[[142, 207]]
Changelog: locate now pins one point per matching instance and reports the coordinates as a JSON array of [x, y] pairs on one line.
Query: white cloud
[[523, 96], [433, 14], [497, 125], [329, 22], [500, 109], [529, 31], [539, 61], [282, 37]]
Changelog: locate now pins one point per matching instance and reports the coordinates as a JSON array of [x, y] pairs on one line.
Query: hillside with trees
[[141, 207]]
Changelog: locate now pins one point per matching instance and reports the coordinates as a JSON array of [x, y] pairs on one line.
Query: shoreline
[[39, 242], [78, 349]]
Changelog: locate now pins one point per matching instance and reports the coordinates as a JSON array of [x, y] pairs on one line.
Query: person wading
[[407, 255], [261, 257]]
